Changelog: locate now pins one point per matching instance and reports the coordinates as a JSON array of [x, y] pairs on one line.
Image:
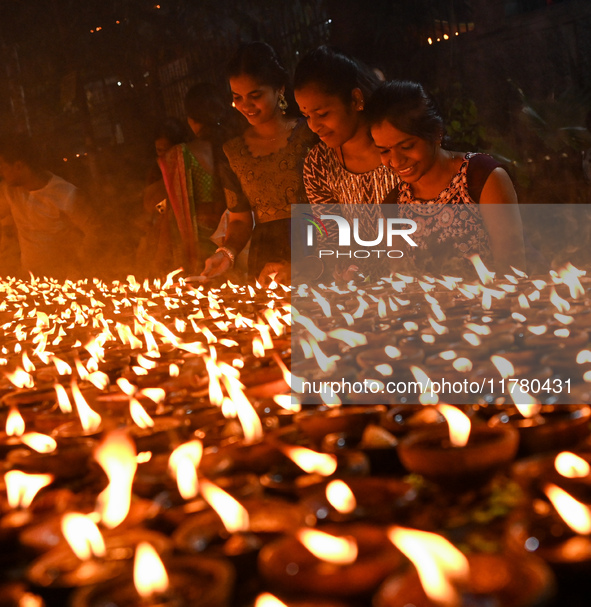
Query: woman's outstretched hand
[[216, 265]]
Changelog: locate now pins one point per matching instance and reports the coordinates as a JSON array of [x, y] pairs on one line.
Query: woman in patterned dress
[[463, 204], [266, 164]]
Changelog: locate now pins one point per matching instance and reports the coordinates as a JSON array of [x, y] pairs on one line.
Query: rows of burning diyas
[[515, 337], [315, 509]]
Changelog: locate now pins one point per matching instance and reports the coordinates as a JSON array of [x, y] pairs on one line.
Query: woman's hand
[[216, 265], [278, 271]]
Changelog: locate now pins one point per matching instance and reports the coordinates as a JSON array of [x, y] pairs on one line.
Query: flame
[[438, 562], [139, 414], [289, 402], [117, 456], [63, 368], [462, 364], [233, 514], [83, 536], [392, 352], [571, 466], [249, 420], [504, 366], [537, 329], [21, 488], [39, 442], [258, 349], [183, 464], [329, 548], [15, 424], [459, 424], [340, 497], [351, 338], [310, 461], [576, 515], [561, 304], [149, 575], [89, 419], [584, 356], [569, 275], [485, 275], [428, 396], [448, 355], [21, 379], [268, 600]]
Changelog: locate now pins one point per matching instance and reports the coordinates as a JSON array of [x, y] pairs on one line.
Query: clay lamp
[[463, 455], [340, 561], [557, 529], [444, 577], [89, 422], [546, 427]]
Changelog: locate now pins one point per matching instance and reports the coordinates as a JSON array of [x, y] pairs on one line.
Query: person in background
[[191, 173], [266, 163], [57, 227], [463, 201]]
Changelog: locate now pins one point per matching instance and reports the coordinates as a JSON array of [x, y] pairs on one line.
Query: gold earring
[[282, 103]]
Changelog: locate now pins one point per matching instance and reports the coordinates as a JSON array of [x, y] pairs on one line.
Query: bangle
[[228, 253]]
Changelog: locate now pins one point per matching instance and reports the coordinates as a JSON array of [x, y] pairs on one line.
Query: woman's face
[[409, 156], [328, 116], [162, 145], [256, 102]]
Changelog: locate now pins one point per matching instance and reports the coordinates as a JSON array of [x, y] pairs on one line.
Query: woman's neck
[[437, 178], [273, 128], [359, 154]]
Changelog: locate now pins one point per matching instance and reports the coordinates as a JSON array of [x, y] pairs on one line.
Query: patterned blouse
[[268, 185], [449, 224]]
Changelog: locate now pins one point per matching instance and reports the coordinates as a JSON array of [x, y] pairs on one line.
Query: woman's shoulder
[[233, 146]]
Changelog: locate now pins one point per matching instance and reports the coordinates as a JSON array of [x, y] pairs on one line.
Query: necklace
[[288, 126], [343, 158]]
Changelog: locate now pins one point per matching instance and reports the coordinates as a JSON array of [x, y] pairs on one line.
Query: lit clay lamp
[[444, 577], [342, 561], [545, 427], [184, 581], [462, 455], [114, 507], [559, 532], [88, 425], [21, 489], [375, 499]]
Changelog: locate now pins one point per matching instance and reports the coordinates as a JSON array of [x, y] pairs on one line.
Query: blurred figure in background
[[58, 229]]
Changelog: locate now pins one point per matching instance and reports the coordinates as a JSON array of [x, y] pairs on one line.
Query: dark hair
[[335, 74], [204, 104], [18, 146], [407, 107], [173, 129], [259, 60]]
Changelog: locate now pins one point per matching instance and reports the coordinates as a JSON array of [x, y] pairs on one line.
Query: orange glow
[[575, 514], [485, 275], [39, 442], [340, 497], [310, 461], [183, 464], [268, 600], [561, 304], [329, 548], [89, 419], [233, 514], [21, 488], [15, 424], [117, 456], [459, 425], [571, 466], [149, 575], [83, 536], [21, 379], [288, 402], [437, 561], [139, 414]]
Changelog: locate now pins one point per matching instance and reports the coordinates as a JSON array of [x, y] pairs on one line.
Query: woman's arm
[[500, 212]]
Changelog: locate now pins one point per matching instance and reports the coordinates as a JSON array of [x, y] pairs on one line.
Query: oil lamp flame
[[485, 275], [504, 366], [268, 600], [575, 514], [233, 514], [83, 536], [569, 275], [288, 402], [39, 442], [149, 575], [21, 379], [183, 464], [15, 424], [329, 548], [139, 415], [21, 488], [561, 304], [310, 461], [340, 497], [89, 419], [118, 458], [571, 466], [459, 425], [249, 420], [438, 562]]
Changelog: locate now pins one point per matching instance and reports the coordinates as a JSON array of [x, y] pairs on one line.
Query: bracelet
[[228, 253]]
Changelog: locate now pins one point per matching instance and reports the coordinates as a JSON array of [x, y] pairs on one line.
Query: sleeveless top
[[451, 223]]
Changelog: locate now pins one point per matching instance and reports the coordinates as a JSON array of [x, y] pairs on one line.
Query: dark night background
[[91, 79]]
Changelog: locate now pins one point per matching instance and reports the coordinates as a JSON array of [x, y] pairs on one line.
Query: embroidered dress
[[268, 185], [448, 225]]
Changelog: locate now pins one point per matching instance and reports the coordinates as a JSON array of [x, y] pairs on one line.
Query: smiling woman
[[464, 200]]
